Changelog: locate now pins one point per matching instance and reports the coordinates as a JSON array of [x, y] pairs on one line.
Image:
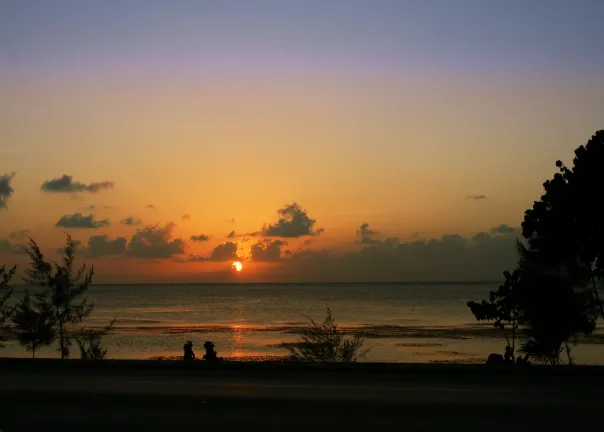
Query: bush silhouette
[[5, 293], [33, 323], [325, 342]]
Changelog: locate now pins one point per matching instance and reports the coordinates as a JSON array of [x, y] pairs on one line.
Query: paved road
[[199, 400]]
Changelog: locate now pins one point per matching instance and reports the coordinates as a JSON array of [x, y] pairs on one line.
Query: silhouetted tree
[[565, 229], [89, 342], [562, 258], [64, 289], [324, 342], [555, 313], [5, 293], [33, 323], [503, 308]]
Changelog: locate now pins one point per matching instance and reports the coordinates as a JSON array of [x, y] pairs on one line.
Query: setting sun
[[237, 266]]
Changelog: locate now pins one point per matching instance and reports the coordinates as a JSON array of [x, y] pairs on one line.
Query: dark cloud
[[102, 246], [151, 206], [365, 234], [78, 220], [77, 247], [233, 234], [6, 190], [196, 258], [155, 241], [108, 207], [448, 258], [293, 222], [503, 229], [131, 220], [90, 207], [65, 184], [200, 238], [20, 234], [477, 197], [186, 216], [267, 250], [232, 220], [8, 247], [224, 252]]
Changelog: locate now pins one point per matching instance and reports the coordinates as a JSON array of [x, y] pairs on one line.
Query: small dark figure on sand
[[210, 354], [189, 354], [509, 354]]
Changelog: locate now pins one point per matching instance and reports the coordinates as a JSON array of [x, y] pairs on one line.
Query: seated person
[[189, 354], [210, 354]]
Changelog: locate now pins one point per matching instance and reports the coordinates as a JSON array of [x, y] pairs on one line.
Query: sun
[[237, 266]]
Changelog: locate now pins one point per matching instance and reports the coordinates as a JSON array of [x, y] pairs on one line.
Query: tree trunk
[[62, 340], [593, 282]]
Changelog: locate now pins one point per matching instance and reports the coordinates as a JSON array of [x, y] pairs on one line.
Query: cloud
[[232, 220], [155, 241], [65, 184], [78, 220], [8, 247], [200, 238], [102, 246], [108, 207], [90, 207], [477, 197], [151, 206], [224, 252], [503, 229], [267, 250], [195, 258], [447, 258], [186, 216], [293, 222], [131, 220], [365, 234], [6, 190], [233, 234], [20, 234]]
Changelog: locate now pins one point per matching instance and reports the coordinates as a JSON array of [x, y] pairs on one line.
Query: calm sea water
[[403, 322]]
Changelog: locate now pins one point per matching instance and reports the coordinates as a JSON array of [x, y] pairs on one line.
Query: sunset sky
[[334, 140]]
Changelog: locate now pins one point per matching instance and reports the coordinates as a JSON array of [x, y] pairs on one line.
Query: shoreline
[[277, 367]]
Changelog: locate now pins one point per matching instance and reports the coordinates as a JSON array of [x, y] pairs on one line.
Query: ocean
[[402, 322]]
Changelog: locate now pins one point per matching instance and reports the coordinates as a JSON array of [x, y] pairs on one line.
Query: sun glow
[[237, 266]]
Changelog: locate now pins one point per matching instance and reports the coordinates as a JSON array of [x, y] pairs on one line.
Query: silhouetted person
[[189, 354], [495, 359], [210, 354], [509, 354]]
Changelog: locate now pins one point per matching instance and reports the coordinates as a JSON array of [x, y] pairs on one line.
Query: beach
[[401, 322]]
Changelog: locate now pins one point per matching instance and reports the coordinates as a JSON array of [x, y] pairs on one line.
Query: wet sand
[[170, 396]]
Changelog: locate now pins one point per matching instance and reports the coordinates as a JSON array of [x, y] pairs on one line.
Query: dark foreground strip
[[86, 412]]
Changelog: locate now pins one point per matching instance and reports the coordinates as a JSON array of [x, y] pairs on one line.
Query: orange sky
[[400, 145]]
